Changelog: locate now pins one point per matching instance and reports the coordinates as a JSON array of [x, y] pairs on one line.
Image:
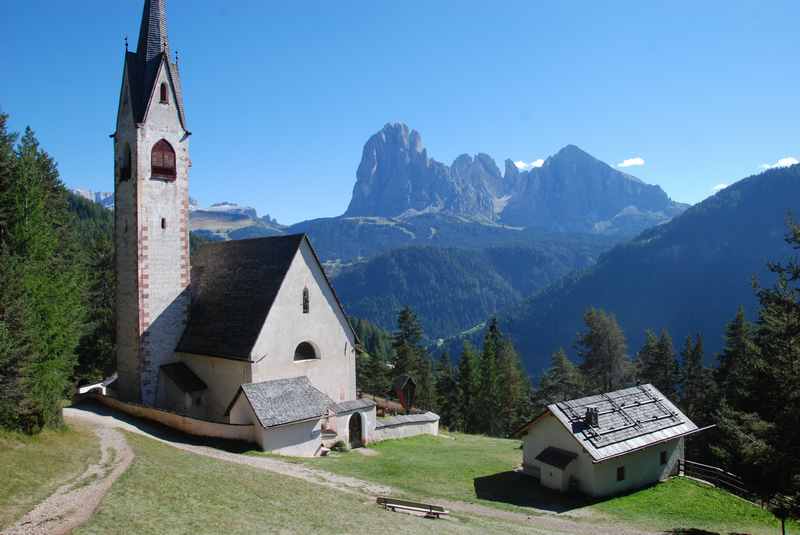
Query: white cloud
[[631, 162], [527, 166], [718, 187], [783, 162]]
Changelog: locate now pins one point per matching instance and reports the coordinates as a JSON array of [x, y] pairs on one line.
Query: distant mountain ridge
[[571, 192], [689, 275]]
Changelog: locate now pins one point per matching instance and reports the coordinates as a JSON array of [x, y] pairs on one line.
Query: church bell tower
[[151, 196]]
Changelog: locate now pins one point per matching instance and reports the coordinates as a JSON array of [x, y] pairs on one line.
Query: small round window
[[305, 351]]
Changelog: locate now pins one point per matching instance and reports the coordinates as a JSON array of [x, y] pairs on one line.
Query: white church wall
[[325, 327]]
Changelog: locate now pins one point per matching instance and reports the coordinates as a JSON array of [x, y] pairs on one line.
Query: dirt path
[[73, 503], [583, 523]]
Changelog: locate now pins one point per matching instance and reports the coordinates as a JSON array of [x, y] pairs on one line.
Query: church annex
[[247, 332]]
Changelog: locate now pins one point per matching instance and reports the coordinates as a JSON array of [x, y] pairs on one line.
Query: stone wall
[[191, 426], [406, 426]]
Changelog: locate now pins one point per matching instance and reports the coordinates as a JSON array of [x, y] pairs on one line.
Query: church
[[246, 332]]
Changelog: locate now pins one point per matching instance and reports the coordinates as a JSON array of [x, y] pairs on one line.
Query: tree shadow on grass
[[695, 531], [162, 431], [516, 488]]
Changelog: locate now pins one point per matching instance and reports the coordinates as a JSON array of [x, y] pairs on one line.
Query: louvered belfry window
[[164, 96], [306, 303], [162, 161]]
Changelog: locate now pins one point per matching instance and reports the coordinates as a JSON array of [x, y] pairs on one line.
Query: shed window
[[305, 351], [621, 473], [663, 457], [306, 304], [164, 94], [162, 161]]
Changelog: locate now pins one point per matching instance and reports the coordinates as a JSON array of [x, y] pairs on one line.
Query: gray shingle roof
[[183, 377], [284, 401], [353, 405], [629, 419], [234, 284]]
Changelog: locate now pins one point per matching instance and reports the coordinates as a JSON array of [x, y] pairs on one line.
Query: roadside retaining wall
[[191, 426], [407, 425]]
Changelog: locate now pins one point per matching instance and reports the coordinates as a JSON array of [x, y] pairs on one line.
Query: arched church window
[[164, 94], [305, 351], [306, 303], [162, 161], [125, 169]]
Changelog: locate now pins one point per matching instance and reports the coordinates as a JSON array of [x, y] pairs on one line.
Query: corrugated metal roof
[[629, 419]]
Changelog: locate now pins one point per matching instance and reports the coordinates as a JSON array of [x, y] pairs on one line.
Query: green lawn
[[32, 467], [477, 469], [169, 491], [450, 466], [683, 503]]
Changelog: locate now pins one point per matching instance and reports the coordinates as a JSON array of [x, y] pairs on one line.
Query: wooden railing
[[730, 482]]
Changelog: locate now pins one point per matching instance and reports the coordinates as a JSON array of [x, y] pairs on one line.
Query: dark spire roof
[[153, 37], [143, 65]]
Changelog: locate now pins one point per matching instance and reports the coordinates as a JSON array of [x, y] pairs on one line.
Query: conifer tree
[[43, 284], [514, 396], [469, 388], [561, 381], [657, 363], [738, 360], [407, 344], [447, 393], [489, 395], [603, 349]]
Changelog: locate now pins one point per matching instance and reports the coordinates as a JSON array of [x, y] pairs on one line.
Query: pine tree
[[407, 344], [657, 363], [514, 390], [43, 287], [603, 349], [447, 393], [738, 361], [469, 388], [561, 381], [760, 415], [426, 385], [489, 395]]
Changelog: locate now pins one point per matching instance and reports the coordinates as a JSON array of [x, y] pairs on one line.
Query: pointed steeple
[[153, 38]]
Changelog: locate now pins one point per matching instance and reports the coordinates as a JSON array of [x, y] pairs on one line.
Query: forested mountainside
[[452, 290], [689, 275]]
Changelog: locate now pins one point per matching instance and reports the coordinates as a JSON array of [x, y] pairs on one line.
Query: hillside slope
[[688, 275], [453, 289]]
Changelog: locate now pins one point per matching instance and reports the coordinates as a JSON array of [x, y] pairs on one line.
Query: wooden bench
[[430, 511]]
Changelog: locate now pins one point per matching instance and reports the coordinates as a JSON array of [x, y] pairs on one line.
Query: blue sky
[[281, 96]]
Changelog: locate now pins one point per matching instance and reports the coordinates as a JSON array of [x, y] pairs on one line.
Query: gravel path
[[73, 503], [583, 523]]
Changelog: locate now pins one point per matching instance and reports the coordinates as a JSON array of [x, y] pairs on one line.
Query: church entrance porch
[[354, 429]]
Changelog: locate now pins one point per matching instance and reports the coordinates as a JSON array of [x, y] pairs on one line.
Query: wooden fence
[[730, 482]]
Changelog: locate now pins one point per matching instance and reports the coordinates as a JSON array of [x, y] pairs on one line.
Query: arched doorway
[[354, 428]]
